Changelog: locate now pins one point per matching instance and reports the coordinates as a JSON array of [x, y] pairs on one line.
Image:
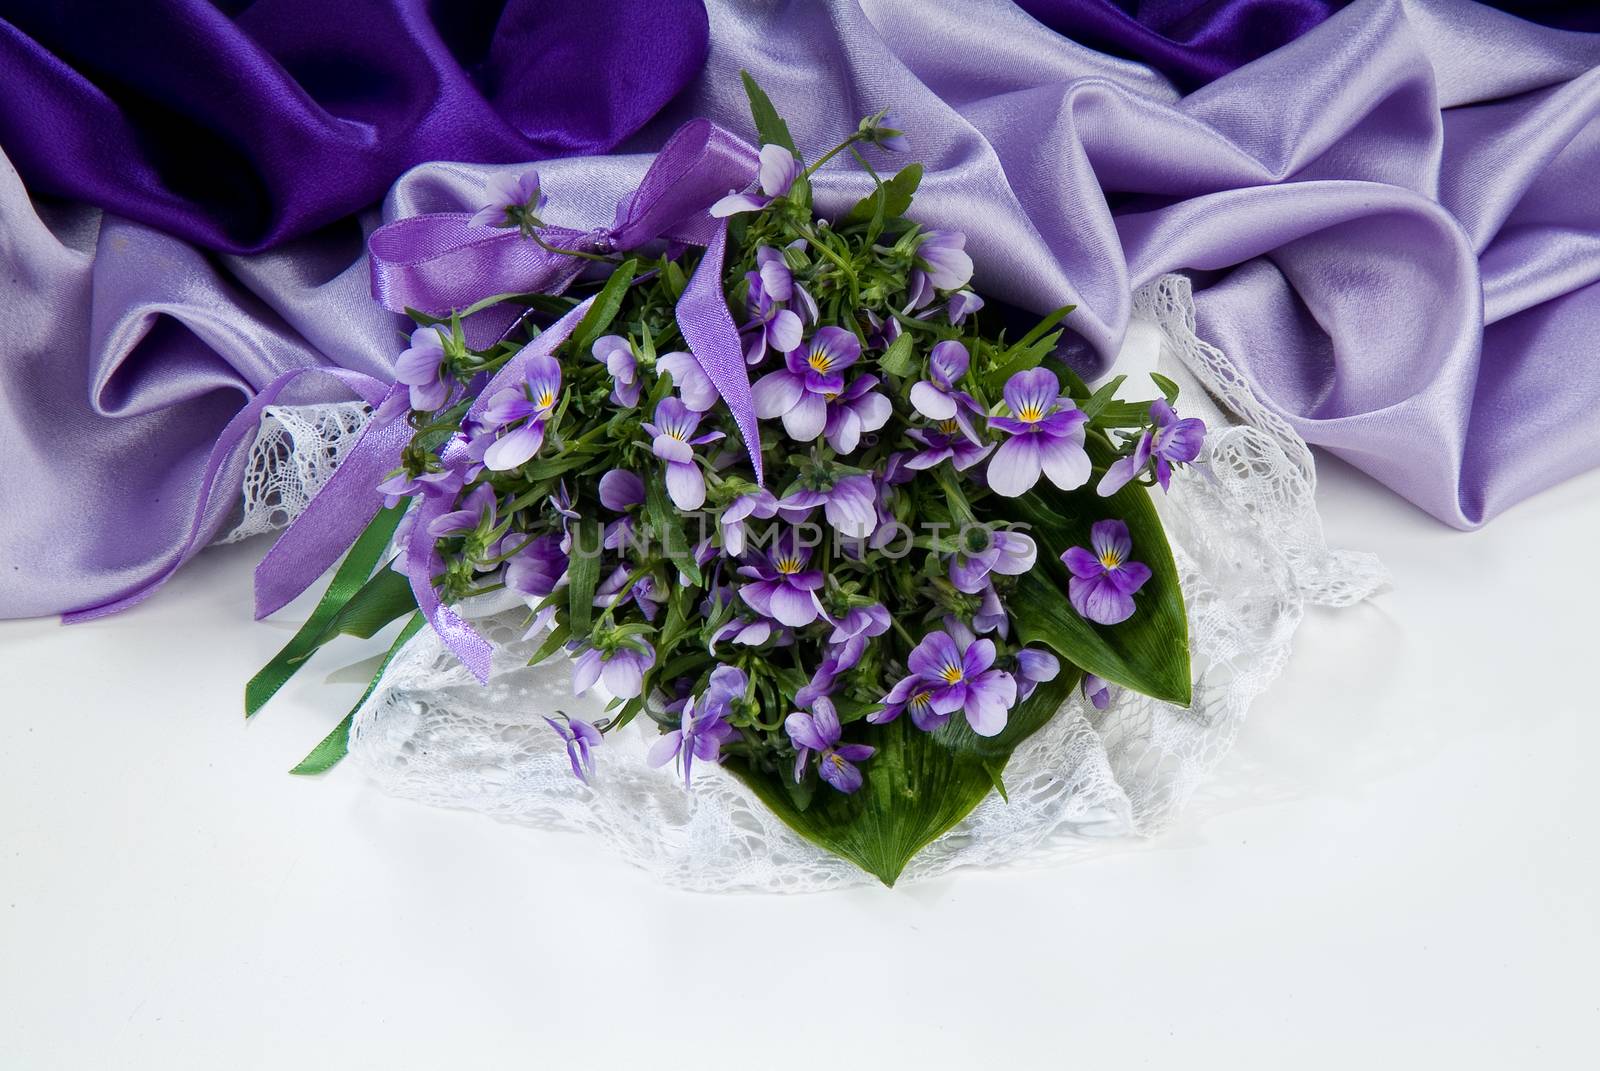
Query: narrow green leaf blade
[[604, 310], [583, 575], [336, 744], [347, 581], [770, 127]]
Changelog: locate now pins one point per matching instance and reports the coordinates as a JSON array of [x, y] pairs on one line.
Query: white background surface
[[1396, 865]]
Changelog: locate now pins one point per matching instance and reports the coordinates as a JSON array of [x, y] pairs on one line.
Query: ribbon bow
[[438, 263]]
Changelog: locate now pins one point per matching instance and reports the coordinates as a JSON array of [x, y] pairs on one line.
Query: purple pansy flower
[[616, 353], [1046, 432], [759, 504], [479, 509], [622, 671], [527, 406], [850, 505], [1096, 691], [419, 367], [1003, 552], [1104, 580], [694, 386], [991, 616], [674, 439], [743, 630], [776, 278], [1169, 442], [621, 490], [852, 631], [884, 331], [398, 486], [1034, 667], [819, 732], [514, 201], [643, 592], [943, 256], [937, 397], [538, 568], [771, 325], [854, 412], [947, 443], [580, 737], [822, 683], [963, 303], [781, 587], [950, 671], [702, 725], [778, 171], [812, 373]]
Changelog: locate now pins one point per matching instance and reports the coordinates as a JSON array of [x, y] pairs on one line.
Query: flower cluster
[[874, 570]]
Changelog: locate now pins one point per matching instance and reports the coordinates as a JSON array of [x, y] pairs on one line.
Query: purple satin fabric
[[1390, 221], [238, 131], [1192, 42]]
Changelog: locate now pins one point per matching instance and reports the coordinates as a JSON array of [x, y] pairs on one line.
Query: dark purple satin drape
[[1194, 42], [237, 127]]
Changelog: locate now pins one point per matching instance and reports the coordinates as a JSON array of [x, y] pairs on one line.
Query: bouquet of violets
[[855, 566]]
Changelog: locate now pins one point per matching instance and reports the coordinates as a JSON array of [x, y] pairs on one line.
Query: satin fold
[[1390, 221], [239, 126]]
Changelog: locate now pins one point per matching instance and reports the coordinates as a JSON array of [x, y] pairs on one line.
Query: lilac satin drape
[[1390, 220], [236, 126]]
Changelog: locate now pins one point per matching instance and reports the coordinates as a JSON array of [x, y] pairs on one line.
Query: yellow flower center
[[1030, 413], [547, 399], [951, 674], [675, 433], [819, 361], [1110, 559], [788, 566], [838, 763], [921, 699], [949, 427]]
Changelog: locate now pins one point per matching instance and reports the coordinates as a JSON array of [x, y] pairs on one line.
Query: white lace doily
[[1251, 555], [295, 452]]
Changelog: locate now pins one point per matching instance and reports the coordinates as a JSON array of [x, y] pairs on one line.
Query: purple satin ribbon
[[439, 263]]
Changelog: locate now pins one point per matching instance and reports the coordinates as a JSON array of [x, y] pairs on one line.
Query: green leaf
[[891, 198], [553, 640], [1168, 389], [1102, 397], [346, 583], [604, 310], [667, 523], [384, 598], [1027, 718], [336, 744], [1149, 652], [583, 574], [770, 127], [1027, 352], [916, 788], [900, 359]]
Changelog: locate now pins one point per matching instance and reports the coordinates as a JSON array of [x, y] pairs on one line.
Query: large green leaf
[[1149, 652], [916, 788]]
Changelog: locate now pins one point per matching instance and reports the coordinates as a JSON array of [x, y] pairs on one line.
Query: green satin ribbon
[[349, 582], [336, 744]]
